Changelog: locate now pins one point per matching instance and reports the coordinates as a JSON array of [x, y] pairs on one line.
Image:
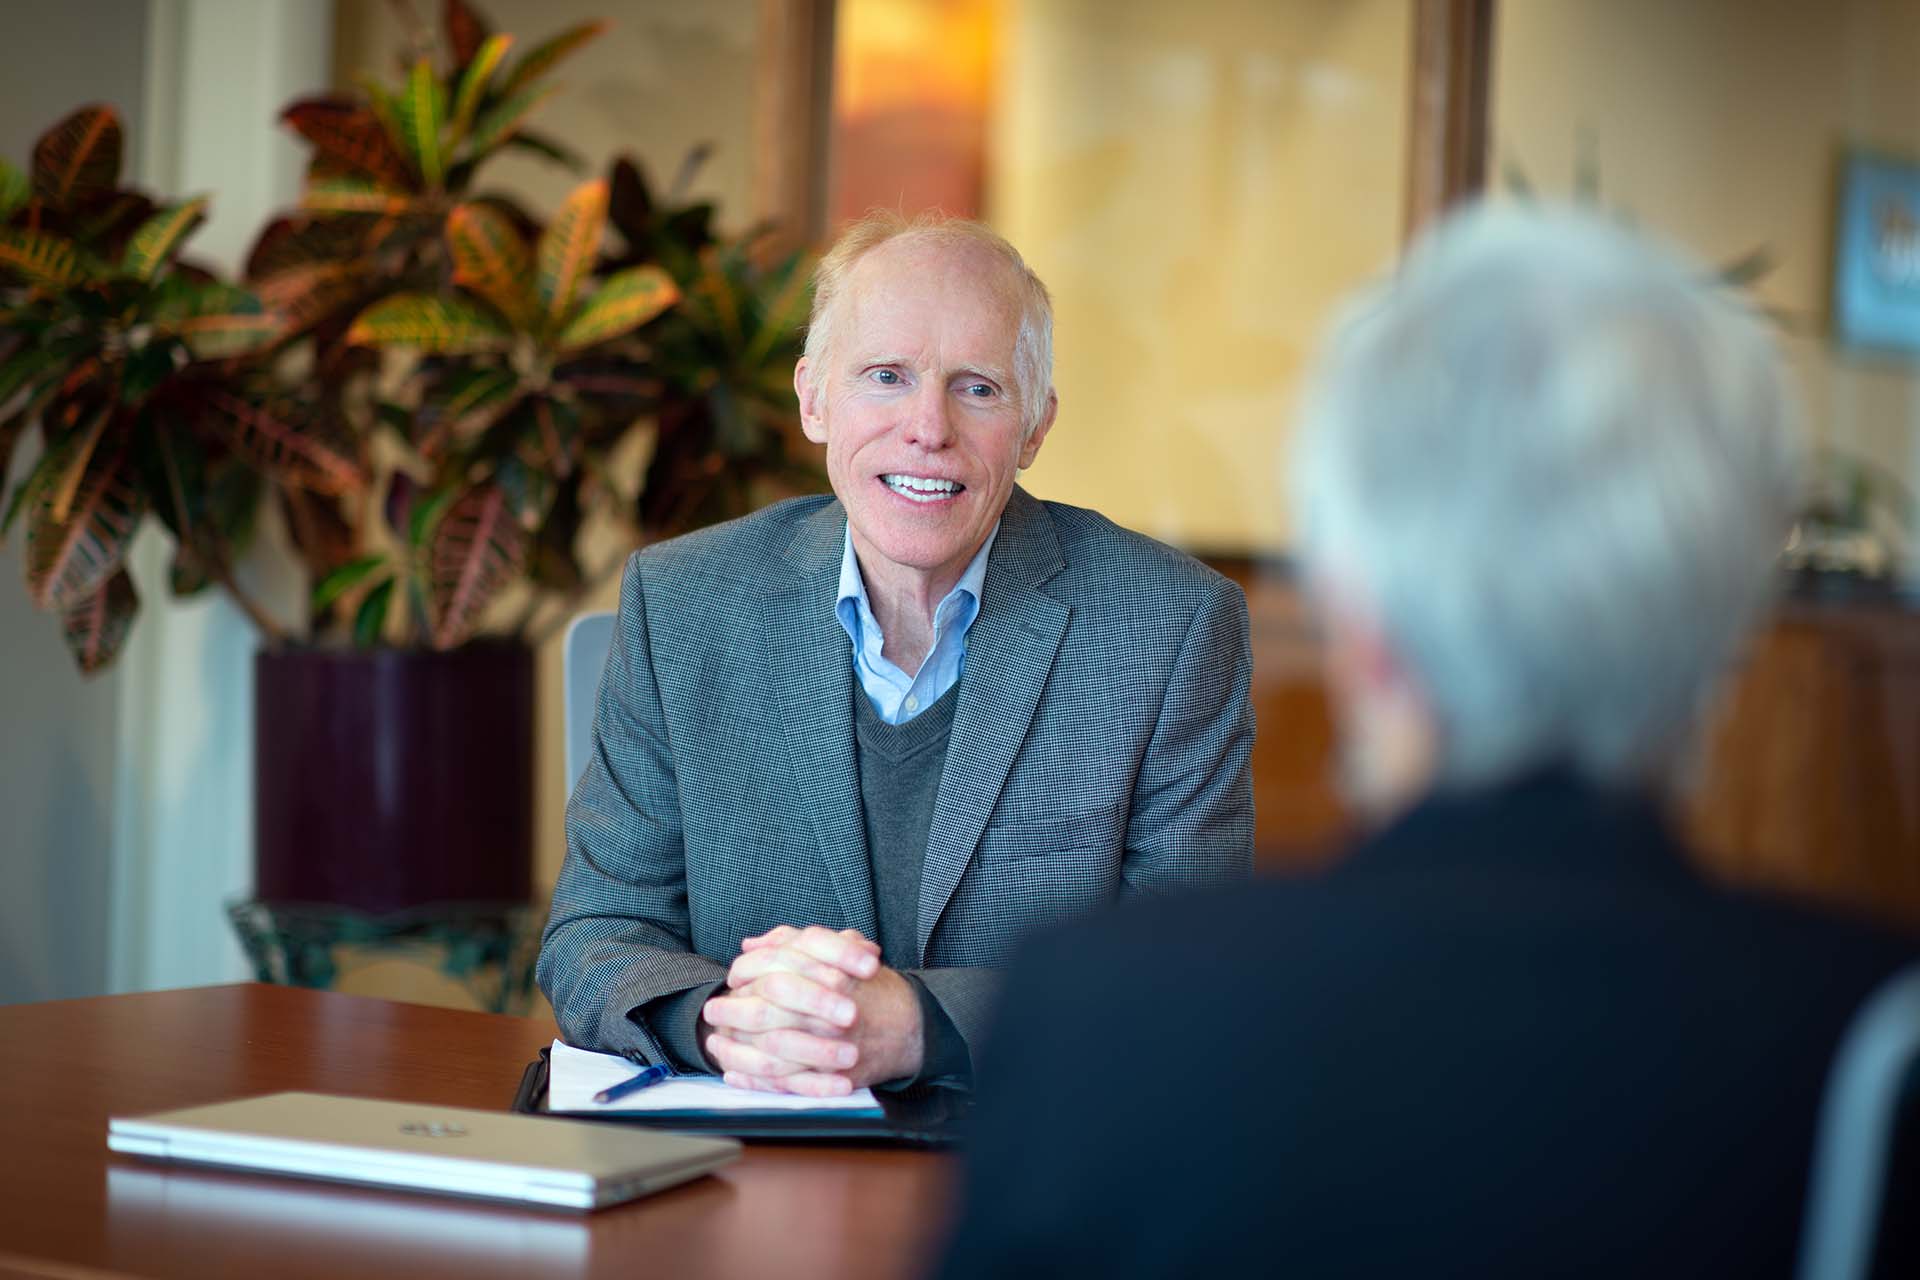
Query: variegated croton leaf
[[160, 237], [333, 188], [421, 112], [448, 326], [627, 300], [69, 558], [466, 30], [79, 158], [351, 135], [501, 121], [15, 189], [477, 547], [310, 269], [49, 261], [459, 403], [568, 249], [288, 439], [216, 321], [475, 80], [491, 260], [96, 625]]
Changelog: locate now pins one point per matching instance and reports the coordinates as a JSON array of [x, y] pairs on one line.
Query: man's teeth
[[922, 489]]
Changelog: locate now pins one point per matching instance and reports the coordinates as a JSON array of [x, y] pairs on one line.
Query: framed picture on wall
[[1876, 269]]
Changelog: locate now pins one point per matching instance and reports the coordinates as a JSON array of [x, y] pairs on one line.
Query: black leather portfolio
[[923, 1116]]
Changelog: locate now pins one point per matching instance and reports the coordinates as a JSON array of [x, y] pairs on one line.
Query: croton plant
[[111, 349], [430, 383]]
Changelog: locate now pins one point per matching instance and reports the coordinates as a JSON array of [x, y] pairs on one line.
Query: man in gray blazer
[[849, 750]]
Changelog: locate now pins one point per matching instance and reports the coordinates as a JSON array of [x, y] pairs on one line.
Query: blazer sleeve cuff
[[675, 1023], [628, 1018]]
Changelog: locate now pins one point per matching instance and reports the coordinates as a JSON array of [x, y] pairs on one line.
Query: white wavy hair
[[1032, 345], [1557, 462]]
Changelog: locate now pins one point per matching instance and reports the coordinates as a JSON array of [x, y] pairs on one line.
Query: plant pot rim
[[310, 650]]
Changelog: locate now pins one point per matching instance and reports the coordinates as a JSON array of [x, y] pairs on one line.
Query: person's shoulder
[[768, 529], [1840, 941], [1097, 549], [737, 549]]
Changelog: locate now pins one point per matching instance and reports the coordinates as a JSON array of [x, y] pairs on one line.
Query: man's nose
[[929, 419]]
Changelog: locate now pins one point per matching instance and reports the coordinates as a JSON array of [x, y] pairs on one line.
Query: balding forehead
[[926, 251], [955, 274]]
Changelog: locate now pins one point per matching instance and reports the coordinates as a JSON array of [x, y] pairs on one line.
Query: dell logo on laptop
[[433, 1129]]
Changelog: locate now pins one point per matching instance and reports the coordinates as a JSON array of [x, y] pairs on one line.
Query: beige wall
[[1720, 123], [1197, 183]]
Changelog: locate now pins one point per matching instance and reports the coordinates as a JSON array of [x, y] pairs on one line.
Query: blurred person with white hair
[[850, 749], [1542, 480]]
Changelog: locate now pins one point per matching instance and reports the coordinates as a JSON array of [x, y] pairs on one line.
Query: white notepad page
[[575, 1075]]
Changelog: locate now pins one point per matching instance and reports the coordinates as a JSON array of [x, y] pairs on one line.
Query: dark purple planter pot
[[391, 779]]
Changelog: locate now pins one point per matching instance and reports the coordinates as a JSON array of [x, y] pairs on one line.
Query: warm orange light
[[913, 53], [911, 86]]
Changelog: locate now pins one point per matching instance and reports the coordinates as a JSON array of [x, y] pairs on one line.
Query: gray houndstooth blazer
[[1099, 751]]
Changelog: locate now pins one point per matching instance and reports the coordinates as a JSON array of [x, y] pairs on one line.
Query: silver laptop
[[418, 1147]]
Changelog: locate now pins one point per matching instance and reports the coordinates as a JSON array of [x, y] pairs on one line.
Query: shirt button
[[913, 703]]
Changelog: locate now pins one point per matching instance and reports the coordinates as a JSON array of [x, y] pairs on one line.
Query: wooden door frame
[[792, 117], [1450, 98]]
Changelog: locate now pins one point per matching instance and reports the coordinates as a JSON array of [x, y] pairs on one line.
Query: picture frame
[[1876, 269]]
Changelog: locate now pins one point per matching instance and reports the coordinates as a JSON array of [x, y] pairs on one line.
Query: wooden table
[[70, 1208]]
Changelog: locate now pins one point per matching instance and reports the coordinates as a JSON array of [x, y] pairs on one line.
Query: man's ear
[[1360, 663], [812, 420], [1031, 449], [1389, 731]]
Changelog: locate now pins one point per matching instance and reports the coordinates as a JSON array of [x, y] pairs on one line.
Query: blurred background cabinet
[[1812, 777], [1808, 780]]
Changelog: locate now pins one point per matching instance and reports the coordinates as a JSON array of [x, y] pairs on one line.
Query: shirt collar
[[853, 588]]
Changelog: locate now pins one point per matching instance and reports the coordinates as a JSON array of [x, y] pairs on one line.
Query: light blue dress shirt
[[895, 695]]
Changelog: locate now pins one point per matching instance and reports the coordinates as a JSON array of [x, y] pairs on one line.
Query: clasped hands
[[813, 1011]]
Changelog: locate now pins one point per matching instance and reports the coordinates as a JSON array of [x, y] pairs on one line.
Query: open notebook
[[575, 1075]]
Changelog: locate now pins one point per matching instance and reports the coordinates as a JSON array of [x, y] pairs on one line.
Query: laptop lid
[[422, 1147]]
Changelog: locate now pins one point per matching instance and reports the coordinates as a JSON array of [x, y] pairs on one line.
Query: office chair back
[[1864, 1101], [589, 636]]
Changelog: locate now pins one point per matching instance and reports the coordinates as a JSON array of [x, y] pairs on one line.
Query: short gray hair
[[1032, 345], [1558, 462]]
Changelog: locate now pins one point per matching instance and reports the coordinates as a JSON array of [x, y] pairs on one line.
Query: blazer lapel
[[1010, 652], [810, 671]]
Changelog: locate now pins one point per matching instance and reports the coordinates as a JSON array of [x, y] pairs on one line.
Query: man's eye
[[886, 377], [981, 390]]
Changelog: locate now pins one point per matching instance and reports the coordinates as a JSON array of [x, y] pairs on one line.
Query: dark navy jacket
[[1514, 1035]]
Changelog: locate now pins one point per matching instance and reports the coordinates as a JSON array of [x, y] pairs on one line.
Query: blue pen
[[650, 1075]]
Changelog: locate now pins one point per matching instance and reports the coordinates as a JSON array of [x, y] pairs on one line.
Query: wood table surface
[[70, 1208]]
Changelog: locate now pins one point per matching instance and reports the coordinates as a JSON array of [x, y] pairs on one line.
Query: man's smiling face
[[919, 410]]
